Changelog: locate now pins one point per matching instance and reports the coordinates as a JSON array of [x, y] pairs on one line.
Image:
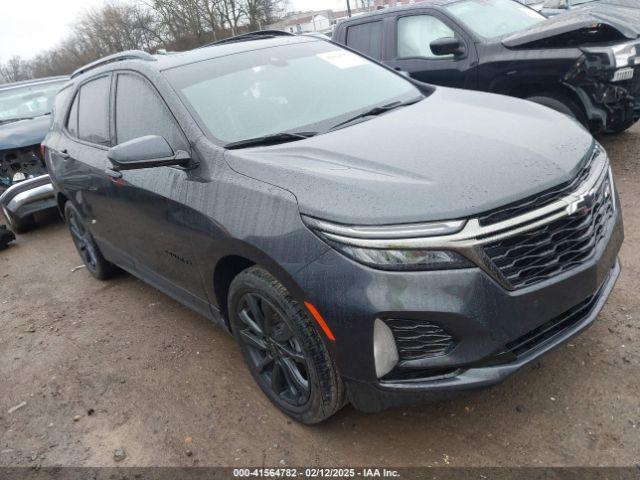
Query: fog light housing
[[385, 352]]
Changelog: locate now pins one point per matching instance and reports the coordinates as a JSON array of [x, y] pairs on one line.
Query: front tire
[[283, 351], [86, 245], [19, 224], [620, 128]]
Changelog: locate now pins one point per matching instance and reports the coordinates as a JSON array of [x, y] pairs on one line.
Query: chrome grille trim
[[415, 230], [473, 234]]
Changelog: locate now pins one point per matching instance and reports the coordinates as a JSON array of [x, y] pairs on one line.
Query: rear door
[[409, 40], [366, 37], [81, 159]]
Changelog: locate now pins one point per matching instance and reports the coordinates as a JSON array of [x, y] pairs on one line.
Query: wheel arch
[[540, 89], [231, 263]]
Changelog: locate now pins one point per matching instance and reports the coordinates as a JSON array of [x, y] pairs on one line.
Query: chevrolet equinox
[[366, 238]]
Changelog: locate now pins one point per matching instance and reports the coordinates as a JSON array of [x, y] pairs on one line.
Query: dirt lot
[[114, 365]]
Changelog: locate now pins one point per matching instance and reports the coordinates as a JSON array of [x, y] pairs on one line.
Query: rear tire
[[86, 245], [283, 350], [19, 224], [562, 104]]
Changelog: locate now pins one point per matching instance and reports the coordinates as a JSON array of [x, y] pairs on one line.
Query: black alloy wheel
[[283, 348], [83, 241], [274, 352], [86, 245]]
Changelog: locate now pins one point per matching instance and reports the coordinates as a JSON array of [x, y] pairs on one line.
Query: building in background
[[322, 21]]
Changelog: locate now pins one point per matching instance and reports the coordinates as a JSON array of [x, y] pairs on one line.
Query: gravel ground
[[94, 367]]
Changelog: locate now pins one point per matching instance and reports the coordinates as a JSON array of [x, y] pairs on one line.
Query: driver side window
[[140, 111], [416, 33]]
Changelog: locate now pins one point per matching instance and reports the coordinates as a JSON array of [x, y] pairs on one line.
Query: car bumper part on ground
[[29, 196], [482, 316]]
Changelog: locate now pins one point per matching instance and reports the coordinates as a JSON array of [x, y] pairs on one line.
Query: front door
[[153, 221], [411, 39]]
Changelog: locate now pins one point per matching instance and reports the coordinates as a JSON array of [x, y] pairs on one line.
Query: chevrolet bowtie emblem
[[582, 205]]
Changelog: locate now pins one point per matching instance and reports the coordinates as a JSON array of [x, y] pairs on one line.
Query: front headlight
[[377, 246], [404, 259], [623, 54]]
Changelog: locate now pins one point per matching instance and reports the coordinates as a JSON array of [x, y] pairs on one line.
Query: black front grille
[[540, 200], [558, 247], [558, 325], [418, 339]]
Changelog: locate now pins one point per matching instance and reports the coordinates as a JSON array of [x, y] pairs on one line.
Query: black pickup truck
[[585, 64]]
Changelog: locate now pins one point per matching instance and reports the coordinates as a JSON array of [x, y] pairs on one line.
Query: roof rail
[[116, 57], [258, 34]]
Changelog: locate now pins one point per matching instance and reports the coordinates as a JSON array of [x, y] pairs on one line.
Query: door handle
[[64, 154]]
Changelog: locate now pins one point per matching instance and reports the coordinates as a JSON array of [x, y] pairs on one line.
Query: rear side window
[[416, 33], [93, 115], [141, 111], [366, 38], [72, 122], [60, 105]]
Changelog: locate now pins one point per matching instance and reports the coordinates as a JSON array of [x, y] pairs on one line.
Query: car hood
[[626, 21], [455, 154], [24, 132]]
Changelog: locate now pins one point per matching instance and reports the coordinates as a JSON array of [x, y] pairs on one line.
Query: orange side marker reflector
[[318, 318]]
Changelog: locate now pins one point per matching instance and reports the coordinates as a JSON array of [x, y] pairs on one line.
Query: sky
[[28, 27]]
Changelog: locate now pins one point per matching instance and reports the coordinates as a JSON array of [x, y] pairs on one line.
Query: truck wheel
[[283, 350], [561, 104], [19, 224], [86, 245]]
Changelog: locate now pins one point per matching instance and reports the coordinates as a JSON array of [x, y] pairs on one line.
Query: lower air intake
[[418, 339]]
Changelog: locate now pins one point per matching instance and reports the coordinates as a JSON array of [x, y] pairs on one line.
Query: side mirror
[[146, 152], [556, 4], [447, 46]]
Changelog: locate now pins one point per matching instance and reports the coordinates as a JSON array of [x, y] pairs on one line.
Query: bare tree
[[144, 25], [262, 12], [15, 69]]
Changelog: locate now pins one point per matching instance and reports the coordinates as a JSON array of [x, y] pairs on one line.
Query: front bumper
[[477, 311], [29, 196], [611, 106], [373, 397]]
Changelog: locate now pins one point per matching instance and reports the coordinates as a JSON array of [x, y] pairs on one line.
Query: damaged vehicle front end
[[25, 116], [603, 63], [584, 64]]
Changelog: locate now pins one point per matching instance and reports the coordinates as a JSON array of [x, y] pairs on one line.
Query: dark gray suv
[[365, 238]]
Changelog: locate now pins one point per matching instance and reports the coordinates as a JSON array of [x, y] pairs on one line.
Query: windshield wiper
[[272, 139], [375, 111]]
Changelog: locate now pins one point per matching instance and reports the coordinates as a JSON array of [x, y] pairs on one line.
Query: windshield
[[491, 19], [301, 87], [28, 101]]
